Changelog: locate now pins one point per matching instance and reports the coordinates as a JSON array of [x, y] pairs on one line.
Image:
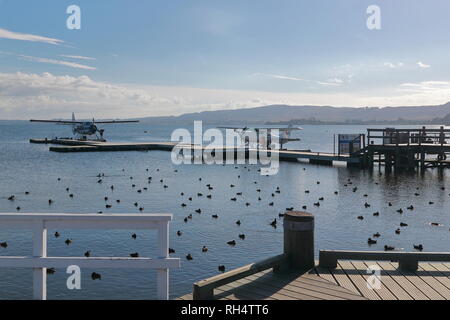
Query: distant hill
[[444, 120], [285, 113]]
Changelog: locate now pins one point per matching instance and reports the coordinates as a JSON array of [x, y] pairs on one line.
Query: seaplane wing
[[236, 128], [80, 122], [289, 128], [264, 128], [116, 121], [58, 121]]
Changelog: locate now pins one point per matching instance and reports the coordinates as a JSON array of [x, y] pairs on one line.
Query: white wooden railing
[[39, 223]]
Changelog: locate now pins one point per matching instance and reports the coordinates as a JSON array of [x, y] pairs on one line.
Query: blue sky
[[138, 58]]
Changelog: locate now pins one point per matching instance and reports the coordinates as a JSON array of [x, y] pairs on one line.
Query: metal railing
[[39, 223], [418, 136]]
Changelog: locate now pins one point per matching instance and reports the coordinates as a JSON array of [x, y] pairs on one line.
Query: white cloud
[[277, 76], [393, 65], [57, 62], [24, 96], [76, 57], [423, 65], [331, 82], [50, 61], [6, 34]]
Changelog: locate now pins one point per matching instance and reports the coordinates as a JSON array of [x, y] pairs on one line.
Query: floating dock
[[69, 145]]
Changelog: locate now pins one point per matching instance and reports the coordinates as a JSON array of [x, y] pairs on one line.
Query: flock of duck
[[372, 239], [236, 195], [100, 179]]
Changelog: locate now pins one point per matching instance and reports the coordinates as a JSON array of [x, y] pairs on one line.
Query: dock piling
[[299, 239]]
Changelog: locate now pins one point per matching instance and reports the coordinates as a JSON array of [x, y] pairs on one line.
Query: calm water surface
[[29, 167]]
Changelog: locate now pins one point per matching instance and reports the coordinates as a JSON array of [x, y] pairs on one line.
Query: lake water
[[31, 167]]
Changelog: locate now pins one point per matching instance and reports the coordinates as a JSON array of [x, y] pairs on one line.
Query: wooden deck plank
[[347, 281], [440, 266], [278, 289], [433, 282], [327, 287], [310, 285], [275, 293], [383, 292], [343, 280], [419, 283], [260, 284], [225, 293], [446, 265], [247, 292], [244, 288], [402, 281], [319, 283], [390, 283], [444, 273], [314, 275], [358, 280], [226, 296], [325, 274], [306, 289], [236, 293], [329, 293]]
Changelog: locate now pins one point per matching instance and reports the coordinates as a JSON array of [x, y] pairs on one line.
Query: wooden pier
[[407, 149], [69, 145], [395, 149], [348, 281], [338, 275]]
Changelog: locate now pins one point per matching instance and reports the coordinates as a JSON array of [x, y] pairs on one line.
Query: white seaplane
[[84, 129], [263, 137]]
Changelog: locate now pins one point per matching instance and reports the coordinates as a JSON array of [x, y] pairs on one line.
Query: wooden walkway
[[69, 145], [347, 282]]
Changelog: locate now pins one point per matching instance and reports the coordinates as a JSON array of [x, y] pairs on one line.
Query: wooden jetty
[[69, 145], [338, 275], [407, 148], [398, 149]]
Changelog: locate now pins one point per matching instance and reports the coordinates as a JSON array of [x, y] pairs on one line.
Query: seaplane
[[251, 136], [82, 130]]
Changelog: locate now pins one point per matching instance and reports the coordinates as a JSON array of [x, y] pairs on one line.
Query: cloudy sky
[[149, 58]]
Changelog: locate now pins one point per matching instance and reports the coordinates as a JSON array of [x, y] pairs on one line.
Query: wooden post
[[334, 144], [299, 239]]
